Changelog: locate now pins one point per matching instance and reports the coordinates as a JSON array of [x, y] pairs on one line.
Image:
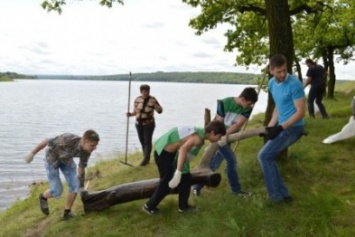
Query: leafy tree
[[327, 33], [260, 28]]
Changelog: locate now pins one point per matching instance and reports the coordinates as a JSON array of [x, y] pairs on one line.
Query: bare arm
[[237, 126], [81, 176], [193, 140], [300, 105], [40, 146], [308, 81], [274, 118]]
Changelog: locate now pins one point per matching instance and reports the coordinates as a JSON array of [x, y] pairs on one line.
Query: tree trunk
[[281, 42], [332, 77], [100, 200]]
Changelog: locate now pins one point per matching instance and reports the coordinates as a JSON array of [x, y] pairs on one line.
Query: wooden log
[[207, 116], [202, 174], [100, 200], [213, 147]]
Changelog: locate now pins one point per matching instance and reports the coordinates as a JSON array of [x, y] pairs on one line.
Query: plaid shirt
[[63, 148]]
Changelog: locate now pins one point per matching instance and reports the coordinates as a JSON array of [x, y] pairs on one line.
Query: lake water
[[32, 110]]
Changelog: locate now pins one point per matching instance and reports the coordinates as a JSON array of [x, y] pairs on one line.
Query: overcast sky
[[140, 36]]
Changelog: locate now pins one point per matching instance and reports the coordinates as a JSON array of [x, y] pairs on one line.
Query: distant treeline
[[197, 77], [9, 76]]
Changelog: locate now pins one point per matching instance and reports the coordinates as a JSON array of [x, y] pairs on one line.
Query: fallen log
[[99, 200]]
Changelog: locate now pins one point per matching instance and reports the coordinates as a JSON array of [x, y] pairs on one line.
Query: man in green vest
[[172, 154]]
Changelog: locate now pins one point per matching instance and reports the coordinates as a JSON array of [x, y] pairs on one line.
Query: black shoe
[[283, 201], [187, 209], [287, 199], [43, 203], [152, 212], [67, 216], [144, 163]]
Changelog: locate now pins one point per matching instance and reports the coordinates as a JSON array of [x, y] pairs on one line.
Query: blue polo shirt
[[284, 95]]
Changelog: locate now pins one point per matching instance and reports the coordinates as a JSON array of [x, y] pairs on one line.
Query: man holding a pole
[[144, 106]]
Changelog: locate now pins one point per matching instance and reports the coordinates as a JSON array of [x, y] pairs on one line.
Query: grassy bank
[[319, 177], [3, 78]]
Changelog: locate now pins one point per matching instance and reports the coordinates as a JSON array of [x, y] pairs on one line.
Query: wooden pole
[[127, 125]]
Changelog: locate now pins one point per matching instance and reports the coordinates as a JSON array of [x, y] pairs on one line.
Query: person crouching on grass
[[59, 156], [173, 151]]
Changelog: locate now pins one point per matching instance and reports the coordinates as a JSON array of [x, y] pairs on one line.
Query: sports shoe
[[287, 199], [187, 209], [152, 212], [196, 192], [67, 216], [43, 203], [243, 194]]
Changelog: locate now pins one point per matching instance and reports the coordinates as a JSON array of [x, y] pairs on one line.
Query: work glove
[[272, 132], [174, 182], [223, 141], [29, 157]]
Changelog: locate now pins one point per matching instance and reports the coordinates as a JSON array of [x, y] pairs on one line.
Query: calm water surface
[[32, 110]]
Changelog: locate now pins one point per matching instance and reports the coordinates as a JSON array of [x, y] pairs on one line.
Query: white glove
[[223, 141], [174, 182], [29, 157], [81, 192]]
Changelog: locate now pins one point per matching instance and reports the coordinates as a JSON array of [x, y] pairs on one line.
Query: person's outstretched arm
[[29, 157]]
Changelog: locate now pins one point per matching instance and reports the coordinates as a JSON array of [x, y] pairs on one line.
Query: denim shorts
[[70, 173]]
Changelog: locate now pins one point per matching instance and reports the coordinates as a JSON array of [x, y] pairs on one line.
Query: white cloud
[[140, 36]]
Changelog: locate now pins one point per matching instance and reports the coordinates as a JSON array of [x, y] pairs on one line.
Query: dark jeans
[[165, 163], [145, 135], [316, 93]]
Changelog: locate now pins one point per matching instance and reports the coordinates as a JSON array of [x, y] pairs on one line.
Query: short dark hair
[[249, 94], [310, 61], [216, 126], [91, 136], [144, 87], [277, 60]]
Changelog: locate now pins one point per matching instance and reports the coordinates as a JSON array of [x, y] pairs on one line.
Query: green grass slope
[[319, 177]]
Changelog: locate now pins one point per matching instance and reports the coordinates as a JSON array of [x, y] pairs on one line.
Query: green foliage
[[318, 27], [56, 5], [319, 177]]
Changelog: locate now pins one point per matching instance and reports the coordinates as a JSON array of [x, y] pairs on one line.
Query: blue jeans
[[55, 184], [267, 159], [226, 153]]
